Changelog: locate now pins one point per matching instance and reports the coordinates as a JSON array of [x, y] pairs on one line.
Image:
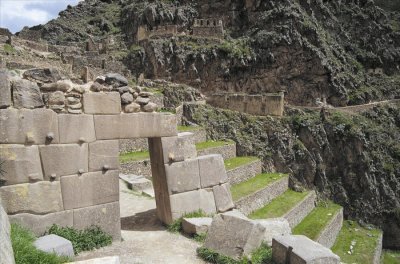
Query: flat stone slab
[[55, 244], [106, 260], [297, 249], [198, 225], [274, 227], [102, 103], [136, 182]]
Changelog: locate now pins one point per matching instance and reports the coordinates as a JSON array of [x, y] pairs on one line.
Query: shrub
[[26, 253], [83, 240]]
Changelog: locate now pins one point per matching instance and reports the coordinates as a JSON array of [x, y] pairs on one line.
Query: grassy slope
[[134, 156], [279, 206], [238, 161], [391, 257], [189, 128], [254, 184], [364, 243], [314, 223]]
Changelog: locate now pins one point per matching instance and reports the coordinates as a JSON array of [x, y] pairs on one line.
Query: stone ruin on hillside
[[62, 167]]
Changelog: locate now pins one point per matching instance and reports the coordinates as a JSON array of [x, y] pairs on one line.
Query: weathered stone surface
[[6, 250], [55, 244], [107, 126], [274, 227], [5, 89], [61, 160], [42, 75], [158, 125], [106, 260], [90, 189], [212, 170], [39, 224], [136, 182], [207, 201], [76, 128], [142, 100], [223, 197], [62, 86], [183, 203], [26, 94], [21, 164], [106, 216], [38, 198], [233, 235], [197, 225], [104, 155], [150, 107], [28, 126], [126, 98], [303, 251], [102, 103], [183, 176], [56, 98], [178, 148], [132, 126], [132, 108], [116, 80]]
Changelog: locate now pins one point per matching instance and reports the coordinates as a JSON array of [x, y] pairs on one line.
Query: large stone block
[[36, 198], [38, 127], [61, 160], [183, 176], [223, 197], [212, 170], [106, 216], [184, 203], [130, 126], [54, 244], [233, 235], [102, 103], [107, 126], [104, 155], [39, 224], [6, 250], [21, 164], [207, 201], [178, 148], [5, 89], [26, 94], [90, 189], [198, 225], [76, 128], [274, 227], [301, 250]]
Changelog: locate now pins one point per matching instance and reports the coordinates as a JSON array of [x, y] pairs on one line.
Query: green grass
[[391, 257], [233, 163], [316, 221], [9, 49], [189, 128], [134, 156], [83, 240], [26, 253], [364, 243], [212, 144], [280, 205], [254, 184]]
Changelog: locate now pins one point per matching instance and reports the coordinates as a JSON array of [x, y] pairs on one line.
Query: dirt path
[[145, 240]]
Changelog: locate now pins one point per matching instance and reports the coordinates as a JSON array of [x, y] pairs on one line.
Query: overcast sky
[[15, 14]]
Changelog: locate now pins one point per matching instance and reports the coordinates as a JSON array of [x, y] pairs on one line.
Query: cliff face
[[351, 158]]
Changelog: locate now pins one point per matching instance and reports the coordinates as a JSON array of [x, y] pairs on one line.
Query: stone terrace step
[[363, 244], [254, 193], [240, 169], [323, 224], [199, 133], [225, 148], [294, 206], [137, 163]]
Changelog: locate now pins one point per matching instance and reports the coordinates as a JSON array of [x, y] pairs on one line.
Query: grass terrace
[[189, 128], [212, 144], [363, 240], [134, 156], [391, 257], [317, 220], [233, 163], [280, 205], [254, 184]]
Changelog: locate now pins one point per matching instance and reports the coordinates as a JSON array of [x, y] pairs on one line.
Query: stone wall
[[267, 104], [144, 33], [328, 236], [6, 250], [39, 46], [208, 28]]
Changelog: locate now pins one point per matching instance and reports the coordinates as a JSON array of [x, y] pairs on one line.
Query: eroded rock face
[[26, 94]]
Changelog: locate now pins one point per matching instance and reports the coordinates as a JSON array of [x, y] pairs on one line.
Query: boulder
[[5, 89], [198, 225], [234, 235], [42, 75], [56, 98], [301, 250], [55, 244], [142, 100], [132, 108], [274, 227], [126, 98], [150, 107], [26, 94], [116, 80], [63, 86]]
